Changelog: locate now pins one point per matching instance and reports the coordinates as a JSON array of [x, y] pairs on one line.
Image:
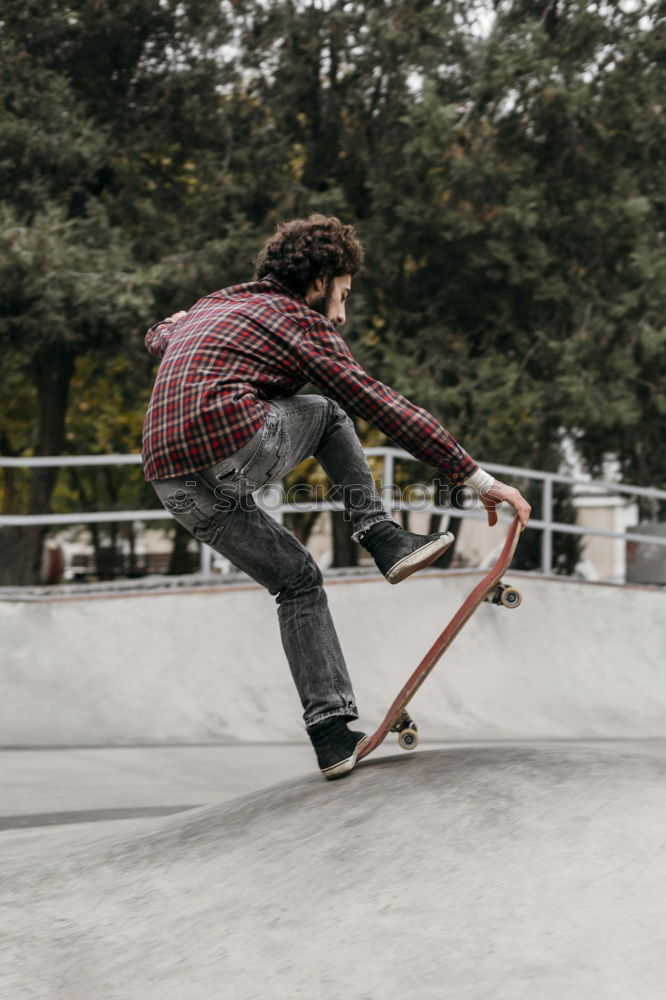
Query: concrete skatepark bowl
[[488, 873], [503, 870]]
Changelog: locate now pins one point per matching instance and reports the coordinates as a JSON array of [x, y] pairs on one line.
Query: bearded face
[[322, 303]]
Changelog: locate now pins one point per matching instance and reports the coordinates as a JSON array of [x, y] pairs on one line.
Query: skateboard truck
[[507, 596], [407, 730]]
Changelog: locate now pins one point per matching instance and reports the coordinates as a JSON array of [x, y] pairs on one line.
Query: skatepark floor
[[57, 788], [497, 870]]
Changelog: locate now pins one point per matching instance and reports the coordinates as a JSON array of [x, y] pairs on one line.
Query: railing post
[[388, 472], [205, 559], [547, 533]]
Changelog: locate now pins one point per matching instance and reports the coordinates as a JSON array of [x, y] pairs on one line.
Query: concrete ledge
[[200, 665]]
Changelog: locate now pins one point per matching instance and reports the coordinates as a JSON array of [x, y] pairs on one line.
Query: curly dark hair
[[303, 250]]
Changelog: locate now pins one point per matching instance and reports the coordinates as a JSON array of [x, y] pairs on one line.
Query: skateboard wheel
[[408, 739], [510, 597]]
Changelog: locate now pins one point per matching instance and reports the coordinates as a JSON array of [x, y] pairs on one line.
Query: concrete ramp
[[502, 873], [576, 660]]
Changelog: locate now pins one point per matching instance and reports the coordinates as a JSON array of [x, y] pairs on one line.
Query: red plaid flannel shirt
[[239, 347]]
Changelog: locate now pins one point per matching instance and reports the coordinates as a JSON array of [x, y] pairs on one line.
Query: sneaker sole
[[345, 766], [423, 557]]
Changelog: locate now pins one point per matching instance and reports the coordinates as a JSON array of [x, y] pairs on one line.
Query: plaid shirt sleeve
[[157, 338], [329, 364]]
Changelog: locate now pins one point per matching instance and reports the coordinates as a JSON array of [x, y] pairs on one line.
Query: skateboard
[[491, 589]]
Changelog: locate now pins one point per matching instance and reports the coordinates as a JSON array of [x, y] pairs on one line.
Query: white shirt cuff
[[481, 481]]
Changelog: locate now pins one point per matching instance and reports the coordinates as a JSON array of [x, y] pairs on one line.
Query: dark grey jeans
[[217, 507]]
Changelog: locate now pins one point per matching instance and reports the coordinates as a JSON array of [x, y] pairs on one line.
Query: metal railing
[[389, 456]]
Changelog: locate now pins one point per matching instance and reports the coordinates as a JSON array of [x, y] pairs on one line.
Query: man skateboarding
[[224, 420]]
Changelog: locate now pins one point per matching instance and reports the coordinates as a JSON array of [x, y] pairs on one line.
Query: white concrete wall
[[575, 660]]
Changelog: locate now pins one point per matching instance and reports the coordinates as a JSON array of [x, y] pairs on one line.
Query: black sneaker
[[336, 746], [399, 553]]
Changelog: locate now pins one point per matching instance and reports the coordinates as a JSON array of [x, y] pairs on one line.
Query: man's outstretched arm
[[330, 365]]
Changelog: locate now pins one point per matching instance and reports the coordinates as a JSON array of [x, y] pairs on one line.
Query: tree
[[57, 268], [93, 178]]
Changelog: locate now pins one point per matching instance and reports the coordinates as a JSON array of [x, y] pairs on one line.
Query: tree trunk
[[97, 547], [180, 562], [22, 547], [11, 491], [345, 549], [112, 489], [132, 567]]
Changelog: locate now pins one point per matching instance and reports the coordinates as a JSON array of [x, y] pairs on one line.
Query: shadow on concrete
[[65, 818]]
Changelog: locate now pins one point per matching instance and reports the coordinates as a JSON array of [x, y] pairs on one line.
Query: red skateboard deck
[[489, 588]]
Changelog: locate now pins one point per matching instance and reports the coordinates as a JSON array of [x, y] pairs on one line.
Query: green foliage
[[521, 238], [71, 284]]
